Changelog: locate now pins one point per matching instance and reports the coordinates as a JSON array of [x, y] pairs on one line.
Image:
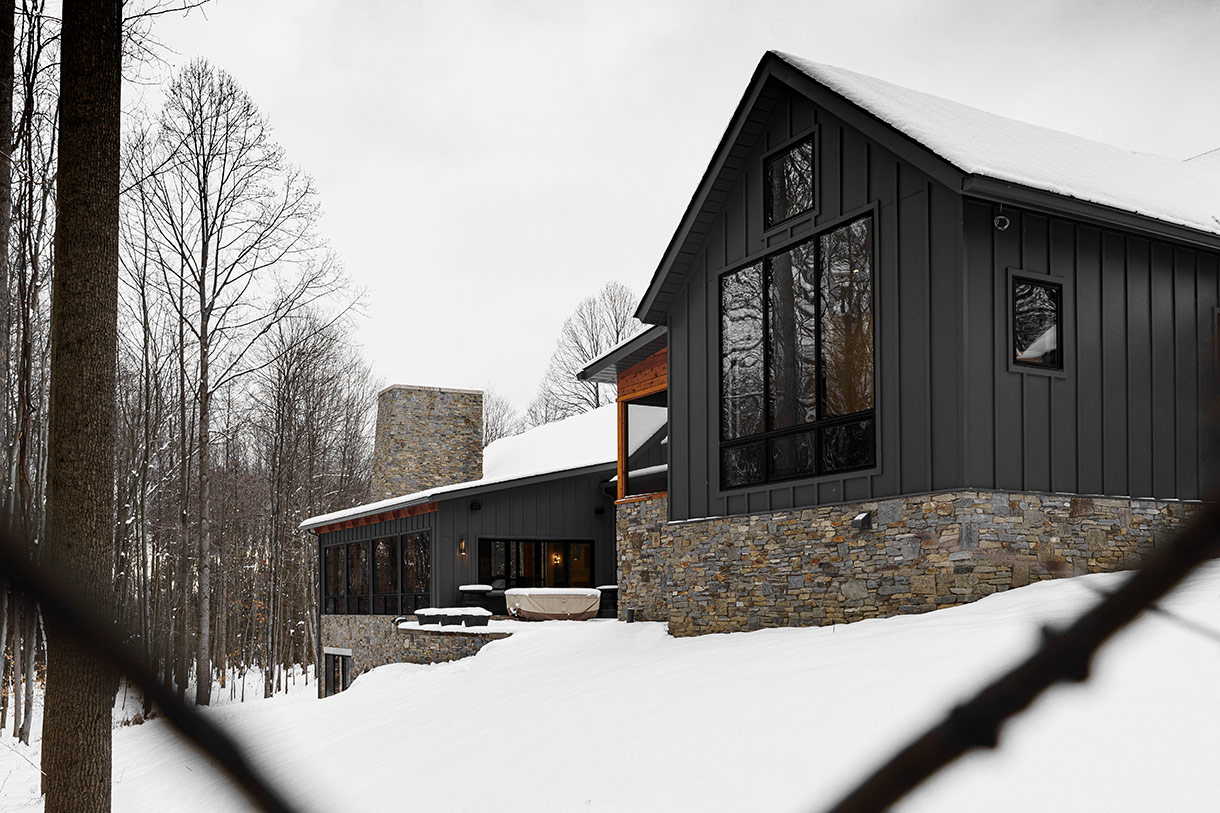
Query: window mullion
[[819, 374], [767, 393]]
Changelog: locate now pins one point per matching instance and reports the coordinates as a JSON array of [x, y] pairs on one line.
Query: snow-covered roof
[[1211, 159], [1186, 193], [585, 440]]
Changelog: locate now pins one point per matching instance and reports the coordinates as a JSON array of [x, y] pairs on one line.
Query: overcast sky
[[485, 165]]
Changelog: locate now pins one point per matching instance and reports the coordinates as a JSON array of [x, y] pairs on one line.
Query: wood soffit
[[607, 368], [383, 516], [646, 377]]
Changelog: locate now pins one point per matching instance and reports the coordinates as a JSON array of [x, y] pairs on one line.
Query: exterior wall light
[[462, 546], [863, 521]]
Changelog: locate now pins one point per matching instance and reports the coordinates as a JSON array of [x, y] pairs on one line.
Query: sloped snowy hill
[[609, 716]]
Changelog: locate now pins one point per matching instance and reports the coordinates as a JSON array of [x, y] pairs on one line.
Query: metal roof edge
[[641, 341]]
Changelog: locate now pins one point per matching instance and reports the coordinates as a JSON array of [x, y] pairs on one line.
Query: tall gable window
[[796, 372], [789, 183]]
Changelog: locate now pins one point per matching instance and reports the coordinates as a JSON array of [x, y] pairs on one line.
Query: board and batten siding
[[552, 510], [1128, 418], [918, 330], [369, 532], [562, 508]]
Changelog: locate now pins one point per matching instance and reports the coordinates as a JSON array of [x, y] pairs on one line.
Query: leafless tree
[[27, 342], [500, 419], [233, 224], [598, 324]]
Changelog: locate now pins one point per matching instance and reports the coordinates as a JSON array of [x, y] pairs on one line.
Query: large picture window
[[387, 576], [527, 563], [797, 374]]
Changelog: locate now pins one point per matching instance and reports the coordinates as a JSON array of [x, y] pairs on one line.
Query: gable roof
[[1211, 159], [969, 150], [583, 442]]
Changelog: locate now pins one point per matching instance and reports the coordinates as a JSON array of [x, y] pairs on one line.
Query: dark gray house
[[918, 353], [533, 510]]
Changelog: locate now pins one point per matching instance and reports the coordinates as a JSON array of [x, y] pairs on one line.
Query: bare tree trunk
[[31, 654], [183, 582], [76, 751], [203, 653], [4, 604], [7, 12], [17, 672]]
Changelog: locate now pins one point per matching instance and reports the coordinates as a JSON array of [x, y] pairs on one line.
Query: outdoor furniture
[[429, 615], [553, 603], [495, 598], [474, 595], [609, 603], [453, 616]]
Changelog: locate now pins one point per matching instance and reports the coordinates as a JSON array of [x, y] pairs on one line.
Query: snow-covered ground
[[600, 715]]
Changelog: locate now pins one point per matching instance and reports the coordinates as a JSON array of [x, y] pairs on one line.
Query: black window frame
[[334, 602], [1063, 327], [337, 672], [778, 153], [371, 602], [818, 427], [386, 603], [412, 600], [360, 603], [486, 553]]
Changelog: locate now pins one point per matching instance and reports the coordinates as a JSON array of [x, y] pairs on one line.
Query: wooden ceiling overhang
[[383, 516]]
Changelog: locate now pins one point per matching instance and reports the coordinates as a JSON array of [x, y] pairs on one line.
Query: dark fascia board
[[1025, 197], [646, 312], [459, 493], [774, 67], [605, 368]]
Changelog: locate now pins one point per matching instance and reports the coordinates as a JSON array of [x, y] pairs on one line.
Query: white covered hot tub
[[551, 603]]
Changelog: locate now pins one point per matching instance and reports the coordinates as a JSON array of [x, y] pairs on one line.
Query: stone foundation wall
[[374, 641], [811, 568]]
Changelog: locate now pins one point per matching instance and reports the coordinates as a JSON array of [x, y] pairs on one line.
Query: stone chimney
[[426, 437]]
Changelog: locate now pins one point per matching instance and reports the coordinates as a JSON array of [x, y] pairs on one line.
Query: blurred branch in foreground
[[59, 603]]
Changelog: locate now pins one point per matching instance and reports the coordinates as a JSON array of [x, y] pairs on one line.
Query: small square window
[[789, 182], [1037, 313]]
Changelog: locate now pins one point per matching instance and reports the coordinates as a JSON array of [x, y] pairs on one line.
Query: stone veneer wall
[[643, 567], [811, 568], [374, 641], [426, 437]]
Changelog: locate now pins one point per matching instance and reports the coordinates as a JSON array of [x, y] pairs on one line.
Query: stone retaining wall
[[811, 568], [374, 641]]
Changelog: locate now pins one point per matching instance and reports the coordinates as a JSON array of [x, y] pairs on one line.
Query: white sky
[[485, 164]]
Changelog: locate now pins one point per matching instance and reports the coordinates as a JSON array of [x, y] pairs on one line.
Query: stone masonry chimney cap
[[417, 388]]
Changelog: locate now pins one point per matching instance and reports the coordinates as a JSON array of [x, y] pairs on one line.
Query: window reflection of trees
[[790, 183], [1035, 315], [741, 305], [793, 337], [847, 319], [810, 308]]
